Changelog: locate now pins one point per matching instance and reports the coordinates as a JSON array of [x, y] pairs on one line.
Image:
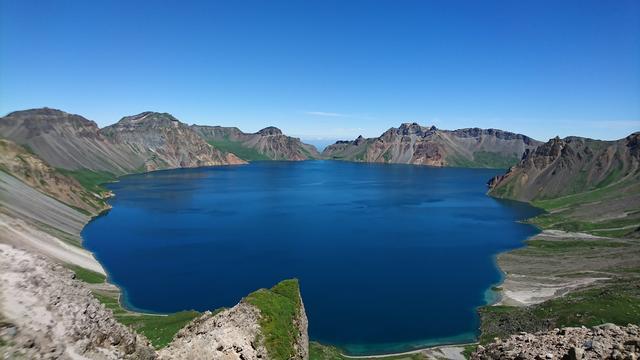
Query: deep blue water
[[389, 257]]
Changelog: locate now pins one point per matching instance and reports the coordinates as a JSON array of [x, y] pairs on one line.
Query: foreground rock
[[606, 341], [230, 334], [246, 331], [47, 314]]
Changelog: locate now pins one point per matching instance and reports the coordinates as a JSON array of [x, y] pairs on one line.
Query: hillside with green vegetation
[[267, 144], [583, 185], [590, 191], [280, 309]]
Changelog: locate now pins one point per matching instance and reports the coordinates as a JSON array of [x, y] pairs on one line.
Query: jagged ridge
[[415, 144]]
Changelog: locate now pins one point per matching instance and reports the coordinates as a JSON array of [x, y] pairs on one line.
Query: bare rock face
[[47, 314], [606, 341], [143, 142], [232, 334], [165, 142], [570, 165], [267, 144], [67, 141], [238, 333], [412, 143]]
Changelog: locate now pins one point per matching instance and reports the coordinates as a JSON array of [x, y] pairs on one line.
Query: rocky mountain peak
[[270, 130], [43, 118], [410, 129], [149, 118]]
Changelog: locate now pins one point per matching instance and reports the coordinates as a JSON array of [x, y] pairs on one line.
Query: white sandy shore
[[449, 352]]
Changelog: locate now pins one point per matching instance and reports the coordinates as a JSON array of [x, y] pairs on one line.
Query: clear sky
[[333, 68]]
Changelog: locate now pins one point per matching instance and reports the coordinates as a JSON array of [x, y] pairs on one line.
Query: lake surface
[[389, 257]]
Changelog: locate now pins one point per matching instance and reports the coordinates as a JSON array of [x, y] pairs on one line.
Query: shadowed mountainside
[[415, 144], [267, 144]]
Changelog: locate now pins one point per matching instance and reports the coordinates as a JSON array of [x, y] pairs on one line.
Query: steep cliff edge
[[415, 144], [46, 312], [267, 144], [267, 324]]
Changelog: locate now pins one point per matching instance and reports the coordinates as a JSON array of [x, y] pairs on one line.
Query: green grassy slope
[[236, 147], [159, 329], [279, 307]]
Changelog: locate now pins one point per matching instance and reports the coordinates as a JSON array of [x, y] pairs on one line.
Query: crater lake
[[389, 257]]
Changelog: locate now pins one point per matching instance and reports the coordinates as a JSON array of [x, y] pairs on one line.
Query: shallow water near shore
[[390, 257]]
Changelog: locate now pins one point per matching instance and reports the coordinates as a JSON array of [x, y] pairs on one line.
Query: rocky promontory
[[605, 341]]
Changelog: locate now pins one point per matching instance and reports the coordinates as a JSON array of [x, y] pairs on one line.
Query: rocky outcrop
[[569, 166], [415, 144], [164, 142], [267, 144], [606, 341], [47, 314], [148, 141], [244, 332], [230, 334]]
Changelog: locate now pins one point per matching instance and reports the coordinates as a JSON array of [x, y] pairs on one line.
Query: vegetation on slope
[[583, 188], [319, 351], [236, 147], [617, 302], [91, 180], [159, 329], [88, 276], [279, 308], [484, 159]]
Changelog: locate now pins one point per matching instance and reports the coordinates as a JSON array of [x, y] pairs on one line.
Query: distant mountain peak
[[151, 117], [270, 130]]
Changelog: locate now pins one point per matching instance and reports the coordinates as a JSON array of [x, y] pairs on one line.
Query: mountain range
[[419, 145], [52, 165]]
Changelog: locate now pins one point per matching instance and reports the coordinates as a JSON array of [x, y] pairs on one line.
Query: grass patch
[[487, 159], [318, 351], [90, 180], [159, 329], [617, 303], [571, 245], [601, 228], [279, 307], [236, 147], [468, 350], [88, 276]]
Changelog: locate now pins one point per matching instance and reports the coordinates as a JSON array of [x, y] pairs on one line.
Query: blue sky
[[333, 68]]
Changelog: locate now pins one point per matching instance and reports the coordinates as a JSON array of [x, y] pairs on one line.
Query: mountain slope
[[585, 185], [415, 144], [27, 167], [67, 141], [267, 144], [144, 142], [164, 142]]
